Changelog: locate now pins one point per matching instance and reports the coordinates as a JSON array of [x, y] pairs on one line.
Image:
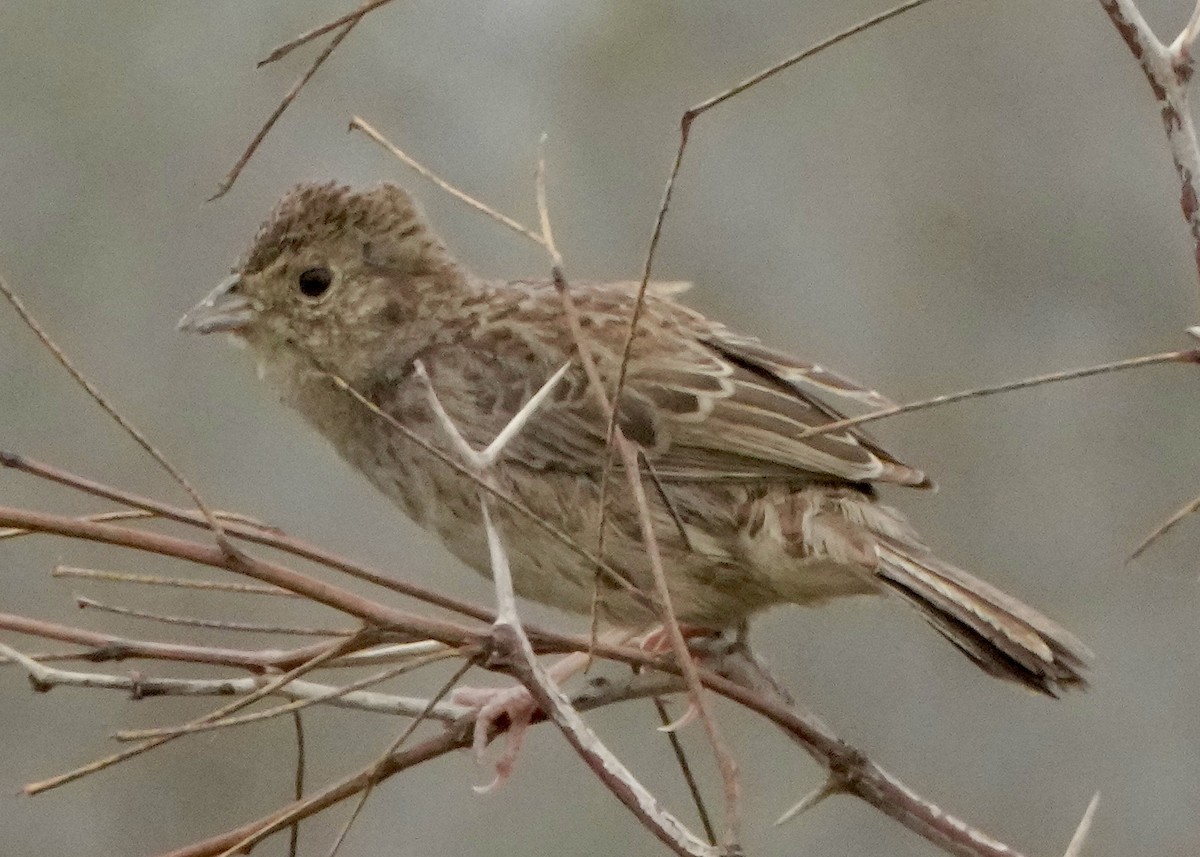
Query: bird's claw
[[491, 705]]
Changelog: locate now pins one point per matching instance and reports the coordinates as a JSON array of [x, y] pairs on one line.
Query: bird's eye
[[314, 282]]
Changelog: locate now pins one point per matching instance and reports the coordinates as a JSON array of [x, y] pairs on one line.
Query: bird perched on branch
[[344, 288]]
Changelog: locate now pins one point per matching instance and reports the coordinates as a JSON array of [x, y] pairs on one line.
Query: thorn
[[831, 786], [683, 720], [1075, 847]]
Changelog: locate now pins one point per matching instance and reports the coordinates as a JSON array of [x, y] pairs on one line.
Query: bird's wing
[[728, 407], [704, 403]]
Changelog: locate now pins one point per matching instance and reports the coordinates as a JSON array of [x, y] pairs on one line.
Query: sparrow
[[351, 288]]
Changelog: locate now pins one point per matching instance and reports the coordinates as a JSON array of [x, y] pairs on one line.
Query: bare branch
[[330, 651], [1190, 355], [297, 781], [209, 725], [725, 761], [619, 780], [539, 186], [685, 126], [139, 686], [511, 502], [359, 124], [316, 32], [1169, 72], [217, 624], [119, 515], [109, 647], [232, 176], [510, 637], [396, 745], [267, 572], [251, 532], [88, 387], [685, 768], [176, 582], [1187, 509]]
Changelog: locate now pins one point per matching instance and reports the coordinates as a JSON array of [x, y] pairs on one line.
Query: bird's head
[[333, 276]]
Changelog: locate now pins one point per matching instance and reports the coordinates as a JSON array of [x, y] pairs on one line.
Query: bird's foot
[[517, 705], [493, 705], [658, 641]]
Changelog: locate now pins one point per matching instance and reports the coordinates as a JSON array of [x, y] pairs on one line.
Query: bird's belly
[[713, 578], [727, 551]]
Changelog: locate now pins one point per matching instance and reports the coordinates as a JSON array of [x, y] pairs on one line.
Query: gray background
[[975, 192]]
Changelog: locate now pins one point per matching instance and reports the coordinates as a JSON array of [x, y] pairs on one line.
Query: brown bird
[[749, 511]]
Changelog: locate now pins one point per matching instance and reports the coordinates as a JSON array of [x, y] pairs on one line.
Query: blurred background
[[972, 193]]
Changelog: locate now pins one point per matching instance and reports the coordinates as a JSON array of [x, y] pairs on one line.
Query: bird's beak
[[223, 309]]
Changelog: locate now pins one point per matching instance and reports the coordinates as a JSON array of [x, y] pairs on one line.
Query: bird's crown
[[311, 213]]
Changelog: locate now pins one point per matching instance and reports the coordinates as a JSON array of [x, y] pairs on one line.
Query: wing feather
[[704, 403]]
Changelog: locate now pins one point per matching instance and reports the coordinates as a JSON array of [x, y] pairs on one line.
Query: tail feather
[[1002, 635]]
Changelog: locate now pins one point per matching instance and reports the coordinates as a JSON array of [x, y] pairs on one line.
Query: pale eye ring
[[314, 282]]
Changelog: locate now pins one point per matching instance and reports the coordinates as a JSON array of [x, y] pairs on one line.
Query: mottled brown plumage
[[751, 512]]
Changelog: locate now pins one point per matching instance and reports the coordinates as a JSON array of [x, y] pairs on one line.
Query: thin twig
[[217, 624], [1190, 355], [124, 755], [685, 126], [397, 744], [509, 501], [297, 781], [512, 640], [177, 582], [615, 440], [209, 724], [129, 428], [109, 647], [118, 515], [51, 657], [339, 598], [316, 32], [543, 207], [232, 176], [139, 686], [611, 771], [685, 768], [360, 124], [1187, 509], [253, 532], [145, 514], [725, 761]]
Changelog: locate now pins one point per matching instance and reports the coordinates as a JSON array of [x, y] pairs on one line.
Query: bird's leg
[[658, 641], [518, 705]]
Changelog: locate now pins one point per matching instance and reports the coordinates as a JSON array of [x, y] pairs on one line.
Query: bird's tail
[[1002, 635]]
